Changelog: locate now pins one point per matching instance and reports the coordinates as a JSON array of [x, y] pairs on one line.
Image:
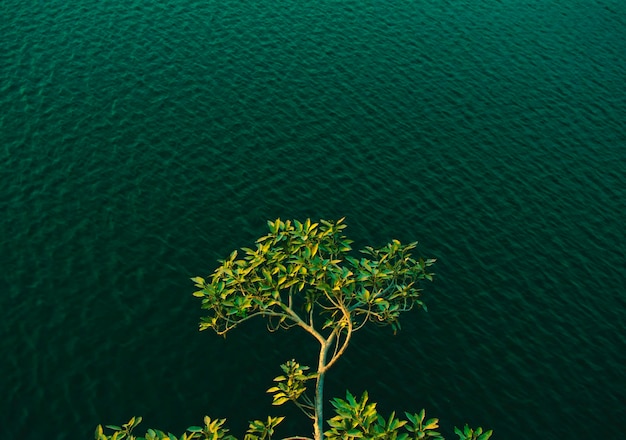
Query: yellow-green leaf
[[280, 401]]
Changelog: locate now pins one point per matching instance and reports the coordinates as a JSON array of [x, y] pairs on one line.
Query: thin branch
[[330, 298], [311, 315], [306, 409], [308, 401], [341, 350], [362, 324], [296, 318], [234, 323], [336, 344]]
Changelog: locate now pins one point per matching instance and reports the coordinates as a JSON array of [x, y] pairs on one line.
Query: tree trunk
[[319, 407], [318, 424]]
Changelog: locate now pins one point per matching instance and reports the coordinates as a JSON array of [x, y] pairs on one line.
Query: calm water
[[140, 141]]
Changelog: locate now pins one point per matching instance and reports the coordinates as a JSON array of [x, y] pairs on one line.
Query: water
[[142, 141]]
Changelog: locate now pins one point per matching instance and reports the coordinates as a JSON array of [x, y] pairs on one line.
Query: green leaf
[[280, 401], [198, 280], [412, 417], [431, 424], [314, 249], [486, 435]]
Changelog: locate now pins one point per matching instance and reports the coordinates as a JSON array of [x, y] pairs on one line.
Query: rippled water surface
[[141, 141]]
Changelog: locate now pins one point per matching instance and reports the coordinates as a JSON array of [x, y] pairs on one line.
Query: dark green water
[[140, 141]]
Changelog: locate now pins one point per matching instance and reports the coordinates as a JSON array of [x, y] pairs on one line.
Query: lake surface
[[141, 141]]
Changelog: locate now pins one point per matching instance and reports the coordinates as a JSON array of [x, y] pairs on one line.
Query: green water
[[141, 141]]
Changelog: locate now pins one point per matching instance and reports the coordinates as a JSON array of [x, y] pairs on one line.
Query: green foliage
[[470, 434], [213, 429], [259, 430], [421, 429], [119, 432], [358, 419], [291, 387], [300, 271], [355, 419], [303, 275]]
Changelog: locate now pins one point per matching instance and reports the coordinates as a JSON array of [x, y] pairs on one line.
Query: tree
[[302, 275]]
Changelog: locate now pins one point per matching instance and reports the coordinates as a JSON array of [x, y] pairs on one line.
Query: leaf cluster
[[299, 272], [213, 429], [358, 419], [291, 386], [354, 419], [473, 434]]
